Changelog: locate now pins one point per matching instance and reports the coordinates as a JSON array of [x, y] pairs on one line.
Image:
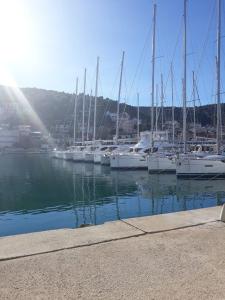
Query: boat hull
[[68, 155], [161, 164], [200, 169], [89, 157], [127, 162], [105, 160], [60, 155], [78, 156], [97, 158]]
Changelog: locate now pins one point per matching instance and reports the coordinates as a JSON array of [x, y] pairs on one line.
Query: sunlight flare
[[14, 31]]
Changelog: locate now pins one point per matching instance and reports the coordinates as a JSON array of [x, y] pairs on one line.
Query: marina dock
[[172, 256]]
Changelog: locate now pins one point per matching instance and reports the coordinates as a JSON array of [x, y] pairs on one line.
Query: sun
[[14, 31]]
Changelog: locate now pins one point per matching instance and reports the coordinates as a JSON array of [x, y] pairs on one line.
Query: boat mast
[[218, 135], [185, 77], [75, 113], [85, 73], [172, 96], [96, 95], [89, 115], [162, 103], [156, 107], [118, 100], [138, 129], [194, 111], [153, 71]]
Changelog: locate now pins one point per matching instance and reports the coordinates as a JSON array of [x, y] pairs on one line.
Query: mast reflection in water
[[38, 193]]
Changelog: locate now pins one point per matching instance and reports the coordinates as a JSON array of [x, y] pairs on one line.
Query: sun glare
[[14, 27]]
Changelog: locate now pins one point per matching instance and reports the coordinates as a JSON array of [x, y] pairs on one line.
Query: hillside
[[55, 108]]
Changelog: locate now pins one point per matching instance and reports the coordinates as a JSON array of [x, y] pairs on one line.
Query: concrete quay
[[173, 256]]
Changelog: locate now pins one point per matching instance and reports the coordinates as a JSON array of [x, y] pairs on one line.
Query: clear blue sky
[[64, 36]]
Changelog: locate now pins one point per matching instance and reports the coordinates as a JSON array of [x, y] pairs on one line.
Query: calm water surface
[[39, 193]]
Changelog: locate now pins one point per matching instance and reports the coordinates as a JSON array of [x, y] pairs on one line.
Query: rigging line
[[204, 47], [174, 51], [197, 92], [206, 39], [109, 102], [194, 62], [211, 68], [140, 63], [141, 59]]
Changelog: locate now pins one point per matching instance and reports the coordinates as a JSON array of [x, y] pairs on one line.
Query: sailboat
[[210, 166], [78, 153], [164, 160], [121, 147], [136, 158], [157, 160], [90, 150], [68, 153], [125, 157]]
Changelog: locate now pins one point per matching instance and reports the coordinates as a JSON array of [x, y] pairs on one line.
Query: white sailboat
[[104, 150], [99, 153], [78, 153], [68, 154], [158, 161], [122, 146], [90, 151], [211, 166], [114, 150], [164, 160], [136, 157]]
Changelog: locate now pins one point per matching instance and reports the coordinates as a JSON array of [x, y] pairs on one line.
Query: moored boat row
[[154, 151]]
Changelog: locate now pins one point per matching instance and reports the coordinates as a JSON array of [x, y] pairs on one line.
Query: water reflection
[[37, 193]]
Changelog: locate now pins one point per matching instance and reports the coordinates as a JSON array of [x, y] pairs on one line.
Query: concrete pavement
[[174, 256]]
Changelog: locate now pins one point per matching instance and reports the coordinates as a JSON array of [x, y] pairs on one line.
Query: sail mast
[[218, 135], [185, 78], [138, 131], [156, 107], [194, 112], [162, 103], [153, 71], [118, 100], [75, 114], [96, 95], [85, 73], [89, 115], [172, 96]]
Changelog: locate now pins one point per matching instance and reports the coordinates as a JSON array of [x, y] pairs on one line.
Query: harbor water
[[39, 193]]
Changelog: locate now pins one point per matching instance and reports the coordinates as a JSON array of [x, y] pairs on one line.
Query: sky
[[48, 43]]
